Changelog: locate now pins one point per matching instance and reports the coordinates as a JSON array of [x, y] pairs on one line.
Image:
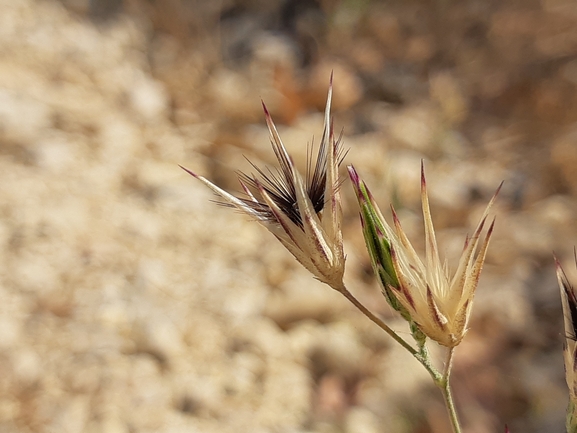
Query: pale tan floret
[[313, 236], [438, 304]]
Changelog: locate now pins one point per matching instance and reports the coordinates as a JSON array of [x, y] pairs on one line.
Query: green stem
[[378, 321], [425, 359], [421, 356], [441, 380], [445, 386]]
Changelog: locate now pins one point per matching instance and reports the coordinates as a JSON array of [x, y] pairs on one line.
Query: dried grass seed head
[[439, 304], [303, 214]]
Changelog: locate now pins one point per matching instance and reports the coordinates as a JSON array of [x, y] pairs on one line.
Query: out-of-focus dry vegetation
[[131, 303]]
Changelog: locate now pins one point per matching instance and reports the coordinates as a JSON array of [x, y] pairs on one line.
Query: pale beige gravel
[[129, 302]]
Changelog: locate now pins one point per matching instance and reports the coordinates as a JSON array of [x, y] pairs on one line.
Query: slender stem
[[425, 359], [421, 356], [448, 364], [378, 321], [447, 394], [442, 381]]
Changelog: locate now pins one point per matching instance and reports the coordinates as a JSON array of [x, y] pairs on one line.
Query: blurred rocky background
[[129, 302]]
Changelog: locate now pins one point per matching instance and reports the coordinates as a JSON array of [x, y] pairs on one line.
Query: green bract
[[377, 244]]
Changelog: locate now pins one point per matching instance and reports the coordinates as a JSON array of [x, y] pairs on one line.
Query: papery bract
[[304, 214], [438, 304]]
